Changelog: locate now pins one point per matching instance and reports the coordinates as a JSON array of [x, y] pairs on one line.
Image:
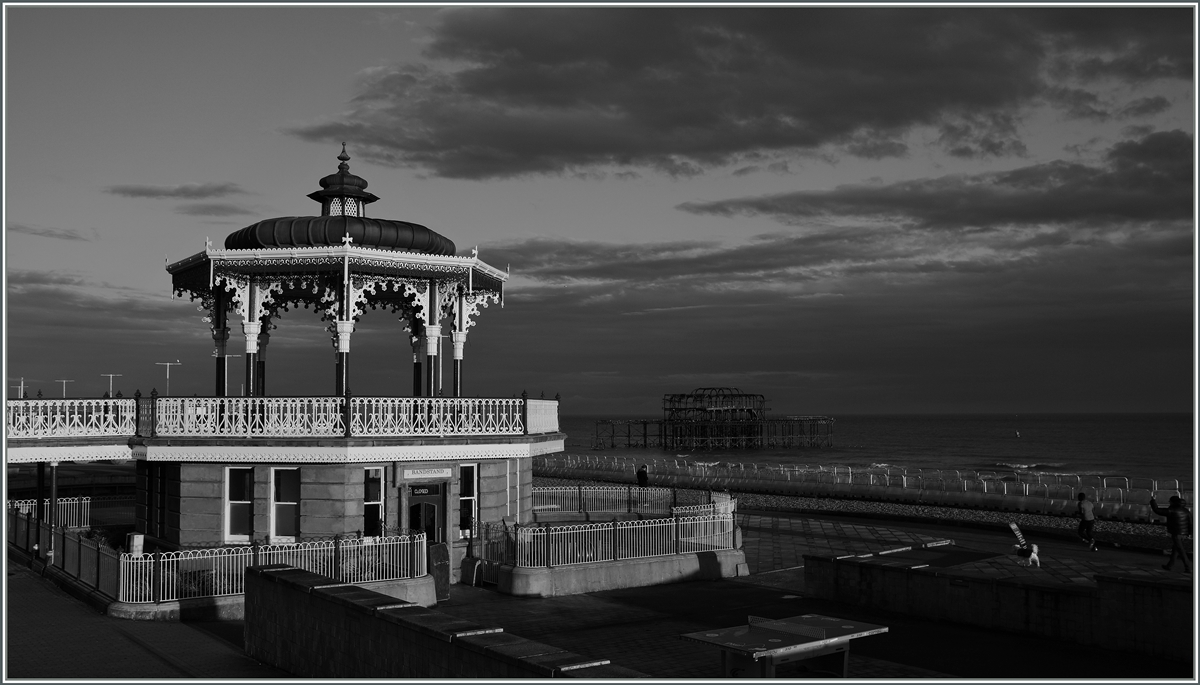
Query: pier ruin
[[715, 418]]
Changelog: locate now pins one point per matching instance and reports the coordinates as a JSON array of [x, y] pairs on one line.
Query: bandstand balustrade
[[281, 417], [54, 418]]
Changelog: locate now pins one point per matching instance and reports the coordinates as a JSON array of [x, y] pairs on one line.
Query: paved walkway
[[52, 635]]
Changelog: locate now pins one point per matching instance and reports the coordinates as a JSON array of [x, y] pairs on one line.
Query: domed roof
[[321, 231]]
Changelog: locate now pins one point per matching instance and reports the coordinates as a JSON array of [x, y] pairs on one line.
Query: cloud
[[513, 91], [1143, 180], [211, 209], [186, 191], [48, 232], [1144, 107]]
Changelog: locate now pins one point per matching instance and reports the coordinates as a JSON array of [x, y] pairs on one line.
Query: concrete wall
[[314, 628], [612, 575], [1128, 614]]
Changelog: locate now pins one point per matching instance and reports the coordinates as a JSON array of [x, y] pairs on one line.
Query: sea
[[1132, 445]]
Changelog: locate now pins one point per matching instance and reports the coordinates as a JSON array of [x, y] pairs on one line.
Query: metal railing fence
[[73, 512], [1120, 497], [550, 546], [167, 576], [603, 499]]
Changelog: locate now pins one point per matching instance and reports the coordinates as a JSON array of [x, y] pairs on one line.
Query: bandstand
[[224, 470]]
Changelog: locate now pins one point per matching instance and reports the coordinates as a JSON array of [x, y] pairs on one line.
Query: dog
[[1027, 556]]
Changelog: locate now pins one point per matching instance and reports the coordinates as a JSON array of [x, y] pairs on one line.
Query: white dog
[[1027, 556]]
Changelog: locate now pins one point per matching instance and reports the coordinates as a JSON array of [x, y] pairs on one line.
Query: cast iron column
[[251, 329]]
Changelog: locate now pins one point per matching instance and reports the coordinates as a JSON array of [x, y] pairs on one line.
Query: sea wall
[[314, 627], [1151, 617]]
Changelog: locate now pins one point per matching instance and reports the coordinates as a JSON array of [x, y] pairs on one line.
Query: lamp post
[[21, 388], [169, 365], [64, 382], [110, 377], [226, 356]]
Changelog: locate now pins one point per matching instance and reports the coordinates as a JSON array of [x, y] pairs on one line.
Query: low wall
[[1122, 613], [614, 575], [314, 627]]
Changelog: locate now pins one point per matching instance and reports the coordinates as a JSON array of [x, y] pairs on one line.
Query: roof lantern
[[343, 193], [343, 201]]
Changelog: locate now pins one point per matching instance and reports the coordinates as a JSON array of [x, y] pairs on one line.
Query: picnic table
[[755, 649]]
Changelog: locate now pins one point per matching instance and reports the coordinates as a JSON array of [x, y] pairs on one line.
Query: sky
[[849, 210]]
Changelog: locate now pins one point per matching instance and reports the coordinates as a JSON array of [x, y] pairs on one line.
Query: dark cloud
[[553, 90], [1078, 103], [211, 209], [185, 191], [47, 232], [1144, 107], [1142, 180]]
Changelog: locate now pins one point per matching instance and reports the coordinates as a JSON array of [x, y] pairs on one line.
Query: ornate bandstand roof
[[306, 259]]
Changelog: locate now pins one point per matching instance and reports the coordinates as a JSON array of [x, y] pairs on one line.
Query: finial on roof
[[343, 167]]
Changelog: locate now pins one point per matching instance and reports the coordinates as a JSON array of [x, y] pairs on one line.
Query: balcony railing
[[70, 418], [281, 417]]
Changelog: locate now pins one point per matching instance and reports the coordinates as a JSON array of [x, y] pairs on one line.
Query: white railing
[[440, 416], [168, 576], [69, 418], [280, 417], [603, 499], [549, 546], [73, 512], [542, 416], [249, 416], [722, 503]]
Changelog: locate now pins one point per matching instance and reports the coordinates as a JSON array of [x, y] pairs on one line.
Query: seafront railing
[[280, 417], [1011, 491], [567, 545], [220, 572]]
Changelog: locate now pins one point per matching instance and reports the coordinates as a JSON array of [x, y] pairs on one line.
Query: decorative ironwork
[[69, 418]]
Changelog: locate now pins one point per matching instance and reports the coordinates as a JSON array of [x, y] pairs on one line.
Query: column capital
[[460, 340], [344, 329], [251, 329]]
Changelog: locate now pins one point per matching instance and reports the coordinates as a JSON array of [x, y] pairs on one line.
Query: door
[[426, 511]]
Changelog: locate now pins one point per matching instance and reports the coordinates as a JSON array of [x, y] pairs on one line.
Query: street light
[[226, 356], [110, 377], [21, 395], [169, 365], [64, 382]]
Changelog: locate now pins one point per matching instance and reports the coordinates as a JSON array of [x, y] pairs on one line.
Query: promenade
[[52, 635]]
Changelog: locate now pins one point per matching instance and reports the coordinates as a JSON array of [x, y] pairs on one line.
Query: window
[[468, 498], [239, 504], [335, 207], [373, 501], [285, 503]]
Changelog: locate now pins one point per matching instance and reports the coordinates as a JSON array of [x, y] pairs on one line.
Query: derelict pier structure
[[716, 418]]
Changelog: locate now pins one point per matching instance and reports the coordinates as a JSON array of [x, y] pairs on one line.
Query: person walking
[[1179, 525], [1087, 521], [643, 477]]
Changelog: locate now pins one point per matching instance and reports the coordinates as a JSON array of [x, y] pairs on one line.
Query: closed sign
[[425, 490]]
